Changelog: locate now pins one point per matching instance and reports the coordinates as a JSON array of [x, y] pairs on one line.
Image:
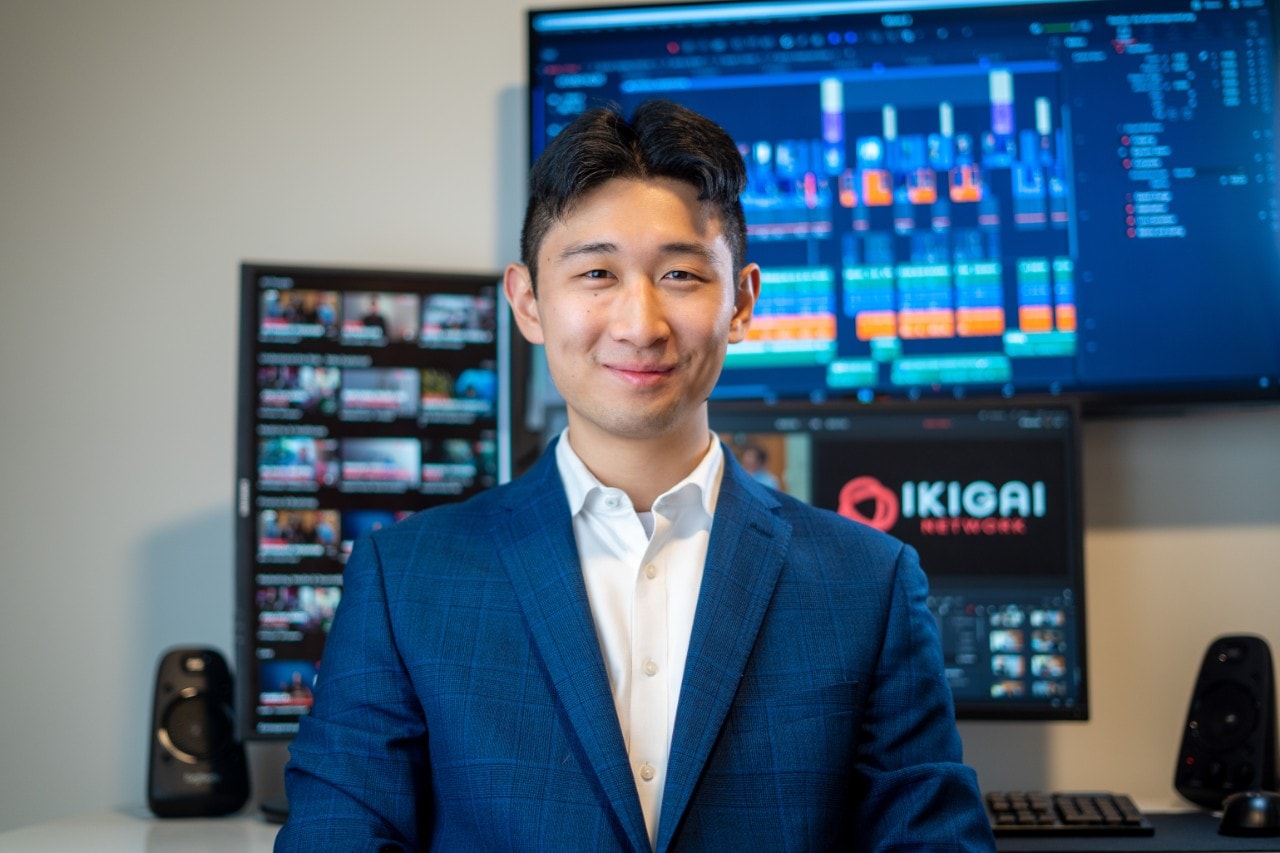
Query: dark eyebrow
[[697, 249], [605, 248], [598, 248]]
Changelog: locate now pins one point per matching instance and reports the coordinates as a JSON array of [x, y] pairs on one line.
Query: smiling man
[[639, 297], [635, 645]]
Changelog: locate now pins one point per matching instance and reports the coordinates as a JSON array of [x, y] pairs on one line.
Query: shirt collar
[[702, 483]]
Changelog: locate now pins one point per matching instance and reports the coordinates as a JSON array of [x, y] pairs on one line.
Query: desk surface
[[1176, 832], [136, 829]]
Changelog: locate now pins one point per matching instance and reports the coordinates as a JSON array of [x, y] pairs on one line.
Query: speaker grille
[[1227, 716], [197, 726]]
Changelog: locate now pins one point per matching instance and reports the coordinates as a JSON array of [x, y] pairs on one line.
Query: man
[[633, 646], [373, 317], [755, 462]]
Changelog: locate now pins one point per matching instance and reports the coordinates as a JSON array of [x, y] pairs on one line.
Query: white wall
[[146, 148]]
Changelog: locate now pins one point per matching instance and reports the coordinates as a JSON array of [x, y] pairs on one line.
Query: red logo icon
[[884, 513]]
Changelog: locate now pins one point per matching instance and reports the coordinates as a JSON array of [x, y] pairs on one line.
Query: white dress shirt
[[643, 572]]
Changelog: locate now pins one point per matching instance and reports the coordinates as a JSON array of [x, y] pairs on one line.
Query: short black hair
[[662, 140]]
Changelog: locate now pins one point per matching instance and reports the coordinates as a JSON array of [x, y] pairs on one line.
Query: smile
[[640, 375]]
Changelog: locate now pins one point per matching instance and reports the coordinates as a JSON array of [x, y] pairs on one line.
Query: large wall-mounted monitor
[[974, 197], [988, 494], [364, 395]]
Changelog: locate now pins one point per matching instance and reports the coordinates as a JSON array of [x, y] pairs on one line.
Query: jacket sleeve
[[357, 770], [914, 792]]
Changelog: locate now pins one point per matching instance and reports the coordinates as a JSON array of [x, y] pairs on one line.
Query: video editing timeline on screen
[[989, 198], [921, 215], [989, 498], [365, 397]]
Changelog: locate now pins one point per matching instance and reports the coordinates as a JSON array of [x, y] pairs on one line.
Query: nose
[[639, 316]]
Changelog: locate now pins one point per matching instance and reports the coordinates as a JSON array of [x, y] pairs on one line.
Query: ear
[[744, 302], [517, 284]]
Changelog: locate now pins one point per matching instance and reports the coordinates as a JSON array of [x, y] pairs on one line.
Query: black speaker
[[197, 766], [1229, 742]]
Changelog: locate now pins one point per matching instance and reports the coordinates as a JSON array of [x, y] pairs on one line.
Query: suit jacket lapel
[[541, 559], [745, 554]]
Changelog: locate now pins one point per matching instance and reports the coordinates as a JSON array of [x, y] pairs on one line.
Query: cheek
[[569, 331], [723, 328]]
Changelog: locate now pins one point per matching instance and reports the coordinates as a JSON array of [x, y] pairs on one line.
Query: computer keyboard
[[1024, 813]]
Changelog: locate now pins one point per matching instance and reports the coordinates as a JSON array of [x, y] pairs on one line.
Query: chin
[[641, 424]]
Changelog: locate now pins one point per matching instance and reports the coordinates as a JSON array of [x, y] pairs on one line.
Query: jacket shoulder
[[824, 524]]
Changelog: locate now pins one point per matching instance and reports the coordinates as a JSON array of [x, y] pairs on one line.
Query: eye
[[683, 276], [596, 274]]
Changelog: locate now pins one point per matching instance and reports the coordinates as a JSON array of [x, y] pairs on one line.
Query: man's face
[[636, 303]]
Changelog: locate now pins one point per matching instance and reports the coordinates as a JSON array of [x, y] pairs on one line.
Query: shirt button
[[650, 668], [651, 571], [647, 772], [611, 501]]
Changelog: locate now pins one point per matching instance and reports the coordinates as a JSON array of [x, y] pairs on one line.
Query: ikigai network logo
[[883, 510], [945, 507]]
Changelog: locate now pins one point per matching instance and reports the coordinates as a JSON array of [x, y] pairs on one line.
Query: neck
[[644, 468]]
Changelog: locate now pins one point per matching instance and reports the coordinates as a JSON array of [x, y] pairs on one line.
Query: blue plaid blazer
[[463, 704]]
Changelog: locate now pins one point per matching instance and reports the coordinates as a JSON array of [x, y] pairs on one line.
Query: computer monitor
[[974, 197], [364, 395], [988, 495]]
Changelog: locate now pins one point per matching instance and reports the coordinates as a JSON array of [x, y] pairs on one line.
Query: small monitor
[[988, 495], [364, 396]]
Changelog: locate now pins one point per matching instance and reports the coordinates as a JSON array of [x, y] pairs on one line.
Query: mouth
[[640, 375]]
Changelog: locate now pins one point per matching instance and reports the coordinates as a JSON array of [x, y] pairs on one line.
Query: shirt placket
[[650, 689]]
